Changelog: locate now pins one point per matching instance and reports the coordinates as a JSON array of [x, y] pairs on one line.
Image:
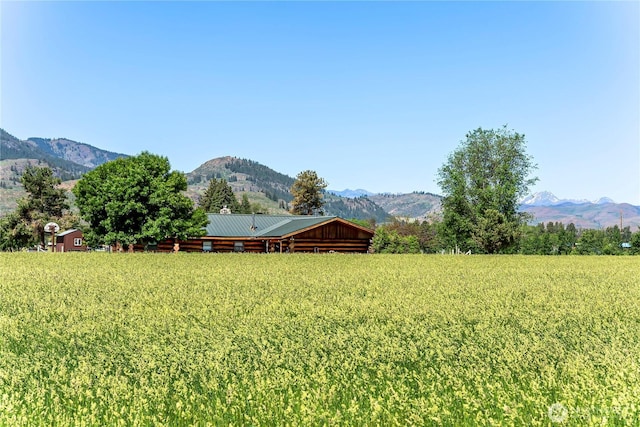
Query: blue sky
[[371, 95]]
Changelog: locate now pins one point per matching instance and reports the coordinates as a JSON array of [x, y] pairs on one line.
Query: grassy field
[[240, 339]]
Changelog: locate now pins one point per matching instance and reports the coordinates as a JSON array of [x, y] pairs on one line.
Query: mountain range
[[351, 194], [546, 198], [70, 159]]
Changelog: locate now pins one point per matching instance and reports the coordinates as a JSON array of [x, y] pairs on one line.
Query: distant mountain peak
[[603, 201], [547, 198], [542, 198], [351, 194]]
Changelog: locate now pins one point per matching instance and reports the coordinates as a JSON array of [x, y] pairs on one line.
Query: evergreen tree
[[43, 203], [245, 205], [43, 195], [307, 191], [218, 195]]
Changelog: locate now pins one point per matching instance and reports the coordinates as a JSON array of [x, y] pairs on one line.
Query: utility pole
[[620, 220]]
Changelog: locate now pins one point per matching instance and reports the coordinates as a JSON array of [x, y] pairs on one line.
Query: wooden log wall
[[260, 246], [333, 237], [323, 246]]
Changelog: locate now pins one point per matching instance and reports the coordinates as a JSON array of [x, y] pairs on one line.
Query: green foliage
[[494, 232], [245, 205], [555, 239], [601, 242], [390, 242], [44, 202], [307, 193], [591, 242], [137, 199], [258, 208], [43, 196], [402, 237], [218, 195], [482, 182], [540, 241], [635, 243], [15, 233]]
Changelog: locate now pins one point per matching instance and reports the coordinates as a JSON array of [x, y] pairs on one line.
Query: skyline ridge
[[534, 198]]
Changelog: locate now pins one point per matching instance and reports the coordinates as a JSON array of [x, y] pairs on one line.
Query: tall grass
[[242, 339]]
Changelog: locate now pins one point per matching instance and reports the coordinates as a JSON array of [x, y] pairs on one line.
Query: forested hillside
[[11, 148], [270, 188]]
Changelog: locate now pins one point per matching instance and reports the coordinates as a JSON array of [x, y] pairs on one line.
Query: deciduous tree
[[15, 233], [482, 182], [137, 199]]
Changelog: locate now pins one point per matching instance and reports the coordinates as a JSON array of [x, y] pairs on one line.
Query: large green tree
[[44, 196], [15, 233], [482, 182], [137, 199], [308, 192], [218, 195]]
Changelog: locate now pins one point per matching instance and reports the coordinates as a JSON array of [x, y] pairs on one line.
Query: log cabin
[[263, 233]]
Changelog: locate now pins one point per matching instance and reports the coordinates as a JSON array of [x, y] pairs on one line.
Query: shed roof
[[64, 233], [248, 225]]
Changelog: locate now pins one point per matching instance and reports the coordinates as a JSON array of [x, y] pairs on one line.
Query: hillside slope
[[76, 152], [12, 148], [587, 215], [270, 188], [413, 206], [68, 159]]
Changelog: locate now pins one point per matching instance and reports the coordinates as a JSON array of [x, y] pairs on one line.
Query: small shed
[[70, 240]]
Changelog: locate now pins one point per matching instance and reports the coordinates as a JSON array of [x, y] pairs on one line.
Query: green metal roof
[[259, 225]]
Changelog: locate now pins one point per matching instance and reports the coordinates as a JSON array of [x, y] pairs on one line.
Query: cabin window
[[77, 241], [206, 246], [238, 246]]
